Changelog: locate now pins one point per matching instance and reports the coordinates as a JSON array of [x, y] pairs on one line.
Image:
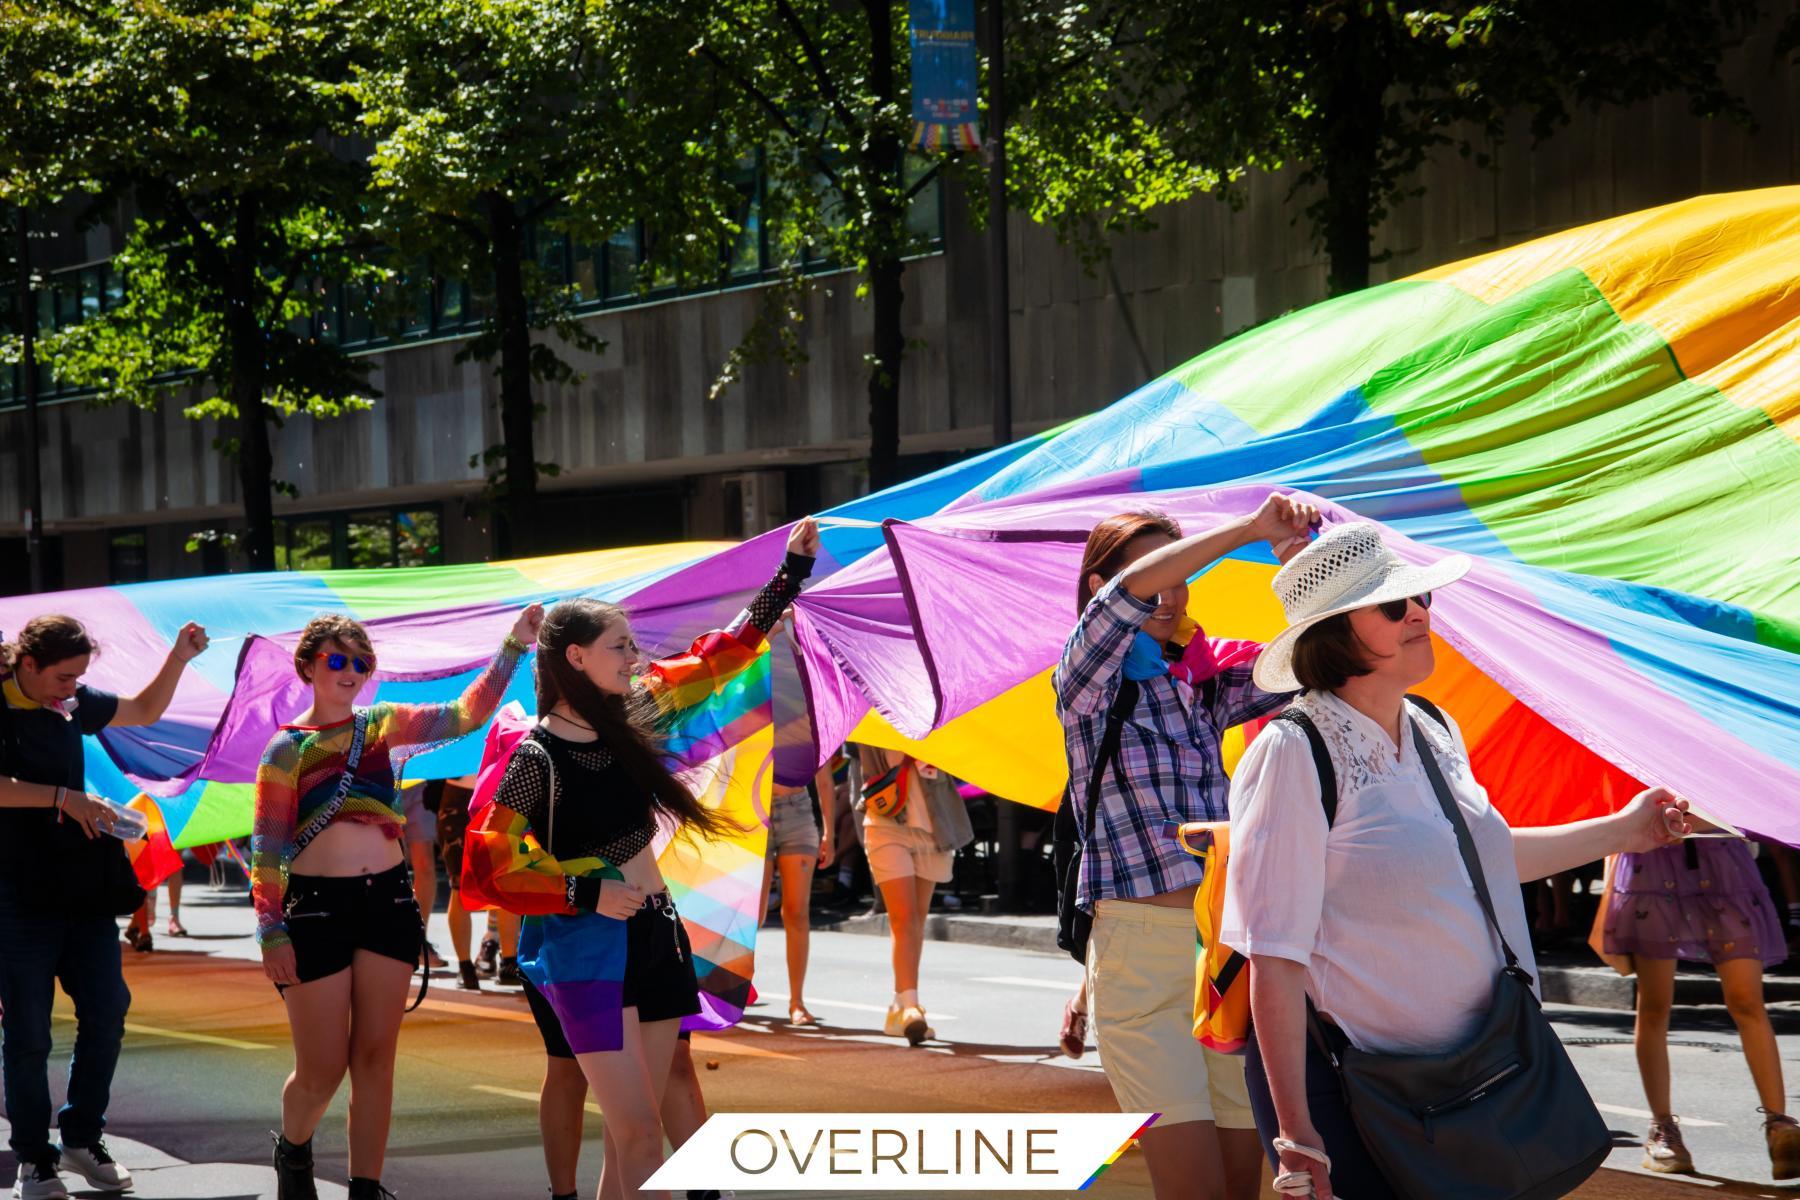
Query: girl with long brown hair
[[568, 842]]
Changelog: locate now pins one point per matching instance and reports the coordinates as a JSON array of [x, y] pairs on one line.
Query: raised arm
[[423, 724], [1283, 521], [680, 682]]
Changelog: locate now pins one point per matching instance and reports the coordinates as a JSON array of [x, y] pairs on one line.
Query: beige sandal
[[798, 1016]]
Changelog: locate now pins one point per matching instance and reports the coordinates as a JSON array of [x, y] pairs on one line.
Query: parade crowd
[[1373, 891]]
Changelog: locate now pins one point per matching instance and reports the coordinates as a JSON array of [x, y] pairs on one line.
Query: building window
[[128, 557], [378, 537]]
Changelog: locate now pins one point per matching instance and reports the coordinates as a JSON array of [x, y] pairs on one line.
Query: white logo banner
[[925, 1152]]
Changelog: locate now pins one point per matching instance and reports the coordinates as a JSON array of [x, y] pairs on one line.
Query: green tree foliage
[[825, 88], [492, 117], [213, 126], [1130, 104]]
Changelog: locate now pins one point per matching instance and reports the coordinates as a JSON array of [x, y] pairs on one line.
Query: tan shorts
[[1140, 978], [897, 851]]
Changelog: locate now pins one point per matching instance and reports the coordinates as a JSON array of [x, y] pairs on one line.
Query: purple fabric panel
[[591, 1013], [418, 646], [1000, 588], [867, 619]]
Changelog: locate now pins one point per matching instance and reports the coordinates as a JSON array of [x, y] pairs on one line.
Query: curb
[[1596, 986]]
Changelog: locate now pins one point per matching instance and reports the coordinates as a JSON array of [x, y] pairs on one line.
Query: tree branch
[[774, 110], [809, 49], [923, 182]]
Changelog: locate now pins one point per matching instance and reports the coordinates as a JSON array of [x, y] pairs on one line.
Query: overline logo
[[860, 1152]]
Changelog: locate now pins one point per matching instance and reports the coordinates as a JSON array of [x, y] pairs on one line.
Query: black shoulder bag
[[1505, 1116], [1072, 925]]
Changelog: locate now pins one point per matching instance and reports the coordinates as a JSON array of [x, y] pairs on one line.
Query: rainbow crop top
[[302, 765]]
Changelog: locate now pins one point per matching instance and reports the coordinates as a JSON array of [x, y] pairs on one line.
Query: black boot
[[294, 1170], [509, 973], [468, 982], [362, 1188]]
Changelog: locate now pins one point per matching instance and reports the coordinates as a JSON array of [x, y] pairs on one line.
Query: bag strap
[[1123, 705], [550, 799], [1464, 842], [358, 732], [1328, 788]]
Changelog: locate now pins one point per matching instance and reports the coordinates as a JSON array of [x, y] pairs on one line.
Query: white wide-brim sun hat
[[1347, 567]]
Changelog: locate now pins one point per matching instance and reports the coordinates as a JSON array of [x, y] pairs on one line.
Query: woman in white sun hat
[[1371, 913]]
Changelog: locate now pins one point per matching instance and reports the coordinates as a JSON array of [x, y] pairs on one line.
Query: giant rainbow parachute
[[1605, 418]]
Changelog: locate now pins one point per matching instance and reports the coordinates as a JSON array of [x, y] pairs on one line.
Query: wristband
[[513, 643], [62, 797]]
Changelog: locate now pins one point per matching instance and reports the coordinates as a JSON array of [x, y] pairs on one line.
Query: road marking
[[1620, 1110], [847, 1004], [513, 1094], [1052, 985], [205, 1039]]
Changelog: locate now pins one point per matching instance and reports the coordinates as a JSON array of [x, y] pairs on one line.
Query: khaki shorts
[[1140, 979], [898, 851]]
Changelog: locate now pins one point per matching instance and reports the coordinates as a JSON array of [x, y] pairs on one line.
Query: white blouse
[[1379, 909]]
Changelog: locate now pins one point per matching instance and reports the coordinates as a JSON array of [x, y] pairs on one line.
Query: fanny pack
[[886, 794]]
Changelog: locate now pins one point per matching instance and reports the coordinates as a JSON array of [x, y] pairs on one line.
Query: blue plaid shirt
[[1169, 766]]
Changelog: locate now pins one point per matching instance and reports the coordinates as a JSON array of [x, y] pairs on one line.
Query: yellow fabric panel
[[1728, 306], [1012, 745], [559, 571]]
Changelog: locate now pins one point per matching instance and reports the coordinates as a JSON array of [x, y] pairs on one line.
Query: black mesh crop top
[[600, 811]]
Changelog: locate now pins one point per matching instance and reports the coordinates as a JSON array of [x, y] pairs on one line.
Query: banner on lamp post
[[888, 1152], [945, 75]]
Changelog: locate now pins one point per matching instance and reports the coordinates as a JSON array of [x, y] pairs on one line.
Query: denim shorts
[[792, 829]]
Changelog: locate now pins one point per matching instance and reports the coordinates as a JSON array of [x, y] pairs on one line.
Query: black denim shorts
[[659, 974], [331, 917]]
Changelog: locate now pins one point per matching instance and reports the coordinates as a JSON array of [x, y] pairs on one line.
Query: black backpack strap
[[1431, 710], [1328, 788], [1123, 705]]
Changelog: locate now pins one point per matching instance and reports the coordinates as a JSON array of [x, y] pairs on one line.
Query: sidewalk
[[1568, 976]]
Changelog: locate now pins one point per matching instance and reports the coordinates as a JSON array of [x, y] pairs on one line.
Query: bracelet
[[513, 643], [62, 797]]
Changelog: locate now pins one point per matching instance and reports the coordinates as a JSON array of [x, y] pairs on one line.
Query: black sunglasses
[[338, 662], [1395, 610]]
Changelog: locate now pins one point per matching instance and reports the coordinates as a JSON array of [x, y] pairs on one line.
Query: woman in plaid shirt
[[1135, 879]]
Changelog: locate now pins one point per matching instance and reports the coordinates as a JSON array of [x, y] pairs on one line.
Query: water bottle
[[127, 824]]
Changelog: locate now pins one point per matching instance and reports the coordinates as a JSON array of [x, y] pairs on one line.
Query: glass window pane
[[309, 545], [450, 301], [621, 264], [113, 284], [551, 255], [129, 557], [371, 539], [586, 278], [922, 213], [359, 323], [90, 291], [68, 300], [420, 543], [417, 288], [746, 249]]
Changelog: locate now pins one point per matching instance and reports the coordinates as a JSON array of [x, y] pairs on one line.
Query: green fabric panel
[[391, 591], [1260, 378], [1571, 434], [225, 811]]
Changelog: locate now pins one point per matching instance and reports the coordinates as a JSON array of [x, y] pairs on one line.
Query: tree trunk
[[1355, 87], [885, 263], [255, 462], [518, 488]]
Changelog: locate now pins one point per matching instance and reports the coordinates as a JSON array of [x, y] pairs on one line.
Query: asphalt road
[[206, 1055]]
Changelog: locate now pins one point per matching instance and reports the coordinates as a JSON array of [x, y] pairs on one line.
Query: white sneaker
[[39, 1181], [96, 1165]]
